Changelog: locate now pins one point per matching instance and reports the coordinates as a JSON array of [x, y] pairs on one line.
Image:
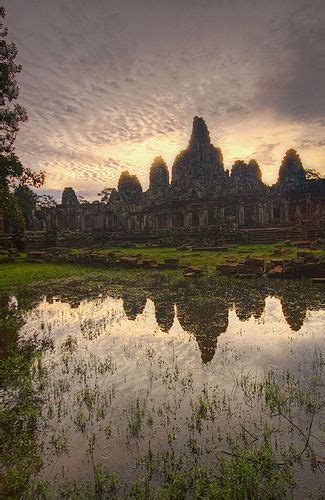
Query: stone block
[[227, 268], [276, 262], [246, 275], [250, 261], [276, 272], [129, 261], [303, 244], [171, 263], [249, 269], [189, 274], [150, 264], [198, 271], [37, 256]]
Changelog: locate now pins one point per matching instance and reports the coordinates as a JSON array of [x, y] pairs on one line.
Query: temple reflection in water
[[205, 313]]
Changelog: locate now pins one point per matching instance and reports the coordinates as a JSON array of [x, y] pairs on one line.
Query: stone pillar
[[284, 213], [203, 217], [169, 221], [265, 214], [2, 221], [308, 206], [260, 209], [188, 219], [241, 215], [221, 215]]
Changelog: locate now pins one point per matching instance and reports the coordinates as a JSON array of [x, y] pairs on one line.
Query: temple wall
[[245, 213], [242, 212]]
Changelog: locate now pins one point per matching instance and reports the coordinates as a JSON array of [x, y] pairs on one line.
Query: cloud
[[107, 84], [295, 87]]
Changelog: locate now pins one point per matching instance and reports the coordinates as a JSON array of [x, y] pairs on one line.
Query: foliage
[[12, 172], [11, 116], [20, 456], [26, 198], [45, 201], [106, 194], [312, 174]]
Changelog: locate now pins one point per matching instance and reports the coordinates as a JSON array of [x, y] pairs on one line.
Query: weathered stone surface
[[150, 264], [250, 261], [129, 188], [246, 178], [292, 176], [227, 268], [276, 272], [249, 269], [158, 176], [193, 271], [202, 206], [69, 198], [171, 263], [199, 168], [246, 275], [130, 261]]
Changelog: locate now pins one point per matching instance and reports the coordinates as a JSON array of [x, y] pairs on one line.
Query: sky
[[110, 84]]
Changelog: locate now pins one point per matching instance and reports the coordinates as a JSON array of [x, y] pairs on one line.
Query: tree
[[45, 201], [12, 172], [312, 174], [106, 194], [26, 198]]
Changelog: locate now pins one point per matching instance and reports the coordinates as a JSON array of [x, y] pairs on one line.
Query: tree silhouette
[[12, 172], [312, 174], [106, 194]]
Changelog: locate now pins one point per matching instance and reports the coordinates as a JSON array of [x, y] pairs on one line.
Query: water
[[171, 371]]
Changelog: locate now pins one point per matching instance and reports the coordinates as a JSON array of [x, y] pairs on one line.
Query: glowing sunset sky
[[110, 84]]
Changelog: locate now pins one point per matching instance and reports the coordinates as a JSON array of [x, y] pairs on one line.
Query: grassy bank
[[22, 272], [207, 258]]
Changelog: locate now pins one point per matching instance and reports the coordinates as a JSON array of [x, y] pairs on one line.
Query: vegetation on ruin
[[21, 272], [209, 258]]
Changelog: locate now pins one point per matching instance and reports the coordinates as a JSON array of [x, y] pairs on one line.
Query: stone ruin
[[202, 200]]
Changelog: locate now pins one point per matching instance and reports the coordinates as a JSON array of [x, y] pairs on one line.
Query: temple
[[200, 200]]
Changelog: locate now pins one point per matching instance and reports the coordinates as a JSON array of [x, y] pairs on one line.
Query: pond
[[132, 390]]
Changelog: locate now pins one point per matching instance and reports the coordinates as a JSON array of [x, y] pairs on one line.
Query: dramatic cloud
[[111, 84]]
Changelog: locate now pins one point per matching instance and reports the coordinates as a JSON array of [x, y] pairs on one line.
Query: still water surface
[[125, 375]]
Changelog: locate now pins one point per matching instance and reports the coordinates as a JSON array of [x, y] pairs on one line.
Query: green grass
[[210, 259], [22, 273]]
